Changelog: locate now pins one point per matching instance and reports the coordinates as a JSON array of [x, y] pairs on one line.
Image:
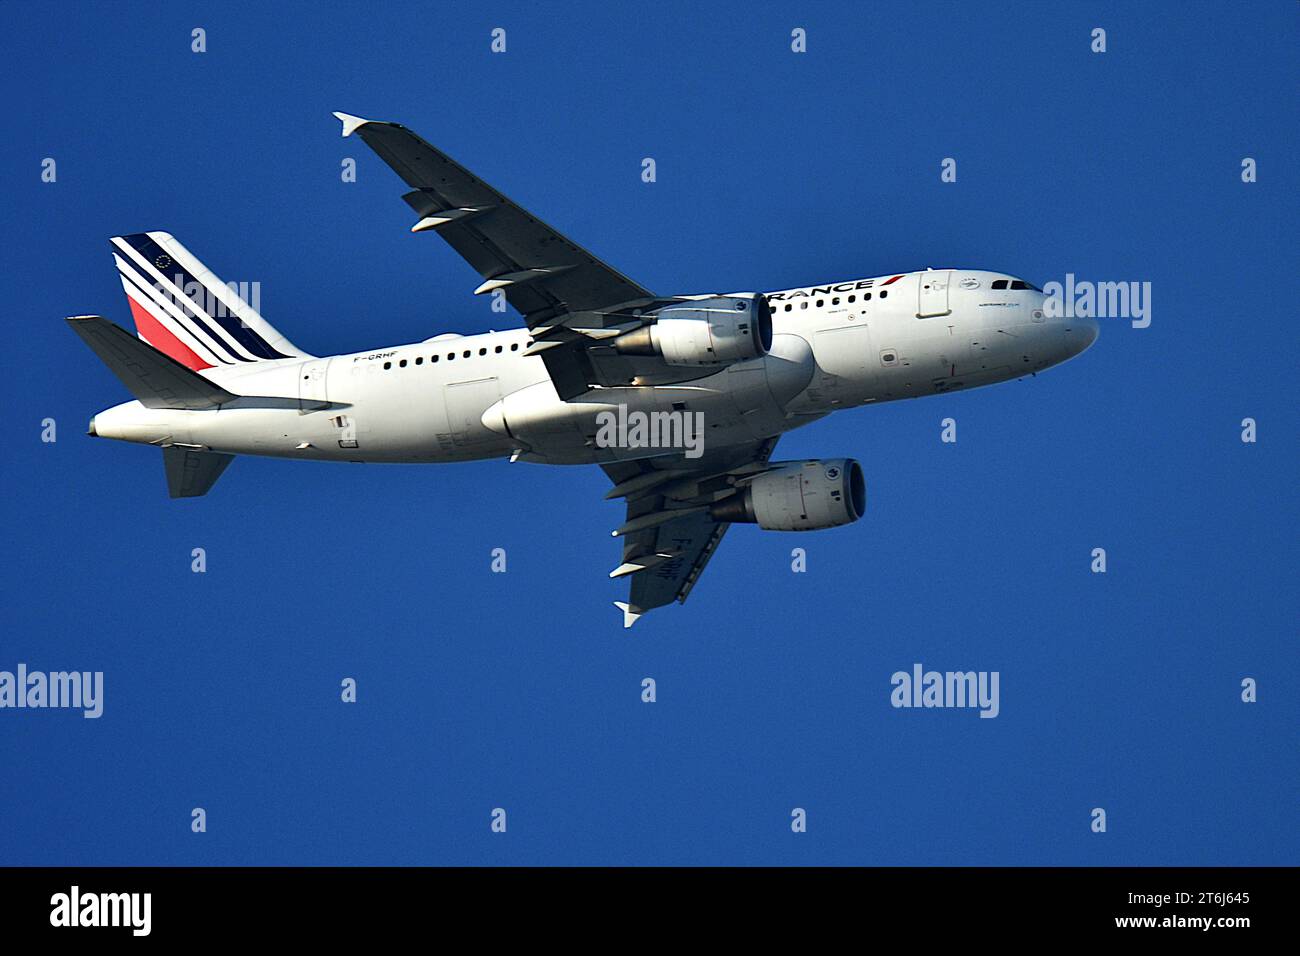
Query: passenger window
[[852, 298], [803, 305], [788, 306], [835, 301], [465, 354], [498, 350], [388, 365], [451, 356], [433, 358], [514, 346], [820, 303], [884, 293], [420, 360]]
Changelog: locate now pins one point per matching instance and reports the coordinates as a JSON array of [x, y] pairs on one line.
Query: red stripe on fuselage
[[157, 335]]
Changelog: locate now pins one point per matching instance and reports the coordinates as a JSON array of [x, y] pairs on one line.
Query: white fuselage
[[457, 398]]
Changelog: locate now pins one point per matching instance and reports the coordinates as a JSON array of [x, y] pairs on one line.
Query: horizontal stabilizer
[[191, 473], [156, 380]]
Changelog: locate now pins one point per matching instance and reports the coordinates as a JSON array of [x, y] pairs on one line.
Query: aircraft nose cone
[[1089, 329], [1080, 332]]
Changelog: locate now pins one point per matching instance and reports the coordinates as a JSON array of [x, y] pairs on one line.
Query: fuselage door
[[932, 293], [311, 386]]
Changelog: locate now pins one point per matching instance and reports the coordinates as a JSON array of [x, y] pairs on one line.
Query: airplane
[[212, 379]]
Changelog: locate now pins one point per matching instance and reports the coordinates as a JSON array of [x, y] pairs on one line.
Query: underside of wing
[[669, 535], [542, 273], [575, 305]]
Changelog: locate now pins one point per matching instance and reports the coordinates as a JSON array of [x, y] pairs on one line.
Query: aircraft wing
[[550, 279], [665, 555]]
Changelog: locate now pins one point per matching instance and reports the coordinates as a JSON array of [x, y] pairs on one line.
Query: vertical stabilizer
[[184, 311]]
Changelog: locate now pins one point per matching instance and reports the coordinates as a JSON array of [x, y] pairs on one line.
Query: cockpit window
[[1016, 285]]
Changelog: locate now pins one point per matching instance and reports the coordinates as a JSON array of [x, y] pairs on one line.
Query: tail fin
[[186, 312]]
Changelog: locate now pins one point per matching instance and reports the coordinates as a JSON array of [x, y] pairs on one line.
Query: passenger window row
[[866, 296], [451, 356]]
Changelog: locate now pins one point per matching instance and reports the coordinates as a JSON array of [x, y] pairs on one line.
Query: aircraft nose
[[1090, 331], [1081, 332]]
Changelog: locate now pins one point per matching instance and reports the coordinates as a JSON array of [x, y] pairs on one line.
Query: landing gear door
[[932, 293], [311, 386], [843, 356], [466, 402]]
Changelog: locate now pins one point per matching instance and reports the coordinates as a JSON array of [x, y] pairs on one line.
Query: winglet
[[630, 613], [351, 123]]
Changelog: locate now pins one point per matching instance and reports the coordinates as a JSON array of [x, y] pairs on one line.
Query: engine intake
[[716, 331], [799, 496]]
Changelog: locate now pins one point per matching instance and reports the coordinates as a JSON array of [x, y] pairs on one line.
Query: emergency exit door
[[932, 293], [311, 386]]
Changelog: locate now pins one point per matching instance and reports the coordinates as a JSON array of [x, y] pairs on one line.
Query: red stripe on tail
[[153, 332]]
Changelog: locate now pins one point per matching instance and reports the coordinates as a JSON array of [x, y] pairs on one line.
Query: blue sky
[[521, 690]]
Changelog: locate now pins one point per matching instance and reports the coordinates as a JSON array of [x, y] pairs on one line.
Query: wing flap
[[693, 538], [664, 555]]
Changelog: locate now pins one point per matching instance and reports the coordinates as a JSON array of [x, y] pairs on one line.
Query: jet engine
[[799, 496], [715, 331]]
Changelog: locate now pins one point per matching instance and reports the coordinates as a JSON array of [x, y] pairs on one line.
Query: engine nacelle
[[714, 331], [799, 496]]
